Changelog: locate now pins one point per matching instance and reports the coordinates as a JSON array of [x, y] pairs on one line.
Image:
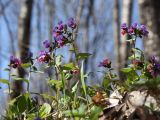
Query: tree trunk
[[78, 17], [75, 32], [86, 29], [125, 46], [23, 42], [150, 16], [116, 15]]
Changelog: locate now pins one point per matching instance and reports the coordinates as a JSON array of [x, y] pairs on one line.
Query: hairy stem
[[29, 77]]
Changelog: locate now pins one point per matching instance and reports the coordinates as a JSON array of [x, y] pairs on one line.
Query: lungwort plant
[[70, 97]]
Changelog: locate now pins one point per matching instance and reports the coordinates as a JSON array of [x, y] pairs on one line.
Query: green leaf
[[80, 112], [126, 70], [44, 110], [51, 63], [26, 65], [46, 96], [7, 91], [143, 76], [106, 83], [72, 113], [134, 56], [38, 72], [82, 109], [6, 69], [82, 80], [132, 77], [73, 49], [31, 116], [12, 111], [4, 81], [21, 79], [22, 102], [13, 75], [141, 82], [69, 66], [74, 88], [95, 111], [56, 83], [81, 56], [68, 76], [137, 50]]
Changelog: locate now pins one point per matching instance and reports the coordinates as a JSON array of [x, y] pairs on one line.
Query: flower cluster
[[44, 57], [135, 29], [60, 32], [72, 23], [46, 44], [105, 63], [15, 62], [61, 35], [154, 67]]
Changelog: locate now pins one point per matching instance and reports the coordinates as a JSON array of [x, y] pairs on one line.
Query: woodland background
[[24, 24]]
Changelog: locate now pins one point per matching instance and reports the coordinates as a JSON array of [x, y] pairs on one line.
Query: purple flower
[[58, 29], [56, 33], [131, 31], [15, 62], [143, 27], [72, 23], [105, 63], [154, 67], [44, 57], [60, 39], [152, 60], [154, 70], [143, 30], [124, 26], [135, 25], [135, 29], [46, 44], [60, 26]]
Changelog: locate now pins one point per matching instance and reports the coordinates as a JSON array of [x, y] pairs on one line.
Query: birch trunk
[[116, 15], [23, 42], [125, 46], [150, 16]]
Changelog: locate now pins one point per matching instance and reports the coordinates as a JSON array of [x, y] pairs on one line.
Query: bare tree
[[149, 14], [125, 46], [23, 42], [116, 15], [39, 24], [3, 7], [86, 29], [78, 17], [8, 26]]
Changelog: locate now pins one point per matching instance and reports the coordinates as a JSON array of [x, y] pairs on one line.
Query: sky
[[5, 39]]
